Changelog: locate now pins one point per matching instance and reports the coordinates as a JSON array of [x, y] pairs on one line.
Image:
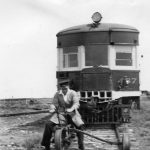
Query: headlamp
[[96, 17]]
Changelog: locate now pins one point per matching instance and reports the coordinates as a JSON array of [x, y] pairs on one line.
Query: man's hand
[[52, 108], [70, 110]]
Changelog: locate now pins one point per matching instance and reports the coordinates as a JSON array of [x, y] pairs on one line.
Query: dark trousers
[[48, 134]]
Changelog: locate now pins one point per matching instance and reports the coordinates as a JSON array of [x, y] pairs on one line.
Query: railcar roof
[[100, 27]]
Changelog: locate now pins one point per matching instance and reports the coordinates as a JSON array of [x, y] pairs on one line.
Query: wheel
[[59, 138], [125, 142]]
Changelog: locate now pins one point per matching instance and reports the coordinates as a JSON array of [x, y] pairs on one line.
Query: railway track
[[108, 134]]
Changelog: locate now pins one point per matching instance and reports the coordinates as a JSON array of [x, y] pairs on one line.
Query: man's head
[[64, 89], [64, 86]]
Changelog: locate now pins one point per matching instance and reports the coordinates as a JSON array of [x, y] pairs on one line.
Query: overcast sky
[[28, 31]]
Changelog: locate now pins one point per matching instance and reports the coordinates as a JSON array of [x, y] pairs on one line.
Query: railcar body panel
[[130, 76], [102, 34], [92, 79], [104, 37]]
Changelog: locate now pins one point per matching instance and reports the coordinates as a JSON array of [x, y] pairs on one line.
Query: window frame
[[113, 49], [123, 59], [66, 64], [80, 57]]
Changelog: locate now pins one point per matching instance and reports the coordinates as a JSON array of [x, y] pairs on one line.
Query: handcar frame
[[63, 136]]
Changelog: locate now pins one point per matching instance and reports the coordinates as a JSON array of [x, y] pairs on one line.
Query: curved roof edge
[[102, 27]]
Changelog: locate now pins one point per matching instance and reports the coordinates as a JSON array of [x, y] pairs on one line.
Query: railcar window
[[70, 57], [96, 55], [125, 56], [123, 59]]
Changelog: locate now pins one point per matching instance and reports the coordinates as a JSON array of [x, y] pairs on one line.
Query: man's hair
[[64, 86], [63, 83]]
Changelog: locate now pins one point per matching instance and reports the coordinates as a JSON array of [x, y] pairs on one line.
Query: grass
[[141, 123], [15, 106], [33, 143]]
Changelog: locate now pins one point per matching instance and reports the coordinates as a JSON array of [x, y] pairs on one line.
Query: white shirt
[[66, 97]]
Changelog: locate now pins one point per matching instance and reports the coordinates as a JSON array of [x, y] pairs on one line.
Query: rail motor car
[[101, 62]]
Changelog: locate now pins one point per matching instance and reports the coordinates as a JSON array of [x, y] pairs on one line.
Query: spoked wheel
[[59, 138], [125, 142]]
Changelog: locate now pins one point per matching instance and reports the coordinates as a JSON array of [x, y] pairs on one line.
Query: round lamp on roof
[[96, 17]]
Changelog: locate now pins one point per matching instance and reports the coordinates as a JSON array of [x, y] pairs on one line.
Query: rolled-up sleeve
[[55, 100], [75, 99], [54, 104]]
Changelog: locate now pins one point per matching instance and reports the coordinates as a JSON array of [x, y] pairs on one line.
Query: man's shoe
[[47, 148], [81, 148]]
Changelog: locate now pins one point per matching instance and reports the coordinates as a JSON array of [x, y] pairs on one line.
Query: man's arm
[[75, 100], [54, 103], [55, 100]]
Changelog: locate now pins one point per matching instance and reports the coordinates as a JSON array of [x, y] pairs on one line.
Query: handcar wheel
[[59, 139], [125, 142]]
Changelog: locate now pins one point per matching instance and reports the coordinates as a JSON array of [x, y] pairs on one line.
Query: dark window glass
[[96, 55], [64, 61], [72, 60], [73, 49], [70, 57], [123, 55], [123, 59]]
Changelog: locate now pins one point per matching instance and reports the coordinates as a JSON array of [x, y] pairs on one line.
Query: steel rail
[[95, 137]]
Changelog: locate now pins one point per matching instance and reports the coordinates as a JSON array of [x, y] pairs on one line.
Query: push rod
[[109, 142]]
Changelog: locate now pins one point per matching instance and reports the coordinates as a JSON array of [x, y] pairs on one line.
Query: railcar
[[101, 61]]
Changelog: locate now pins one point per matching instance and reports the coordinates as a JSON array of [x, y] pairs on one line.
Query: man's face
[[64, 89]]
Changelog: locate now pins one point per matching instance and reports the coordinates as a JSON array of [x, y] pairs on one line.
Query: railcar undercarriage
[[96, 111]]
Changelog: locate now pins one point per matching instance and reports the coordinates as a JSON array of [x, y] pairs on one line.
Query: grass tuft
[[141, 123], [32, 143]]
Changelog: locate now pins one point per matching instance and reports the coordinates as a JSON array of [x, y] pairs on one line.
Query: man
[[65, 100]]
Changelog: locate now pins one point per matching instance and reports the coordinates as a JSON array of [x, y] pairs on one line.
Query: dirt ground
[[140, 122], [25, 132], [22, 132]]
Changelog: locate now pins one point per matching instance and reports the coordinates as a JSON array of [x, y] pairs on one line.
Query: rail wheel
[[59, 138], [125, 142]]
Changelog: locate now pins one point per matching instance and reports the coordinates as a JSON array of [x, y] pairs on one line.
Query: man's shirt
[[71, 97], [68, 101]]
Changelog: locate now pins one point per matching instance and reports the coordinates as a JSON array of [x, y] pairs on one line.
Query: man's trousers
[[47, 135]]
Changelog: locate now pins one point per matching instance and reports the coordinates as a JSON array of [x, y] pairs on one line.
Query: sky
[[28, 28]]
